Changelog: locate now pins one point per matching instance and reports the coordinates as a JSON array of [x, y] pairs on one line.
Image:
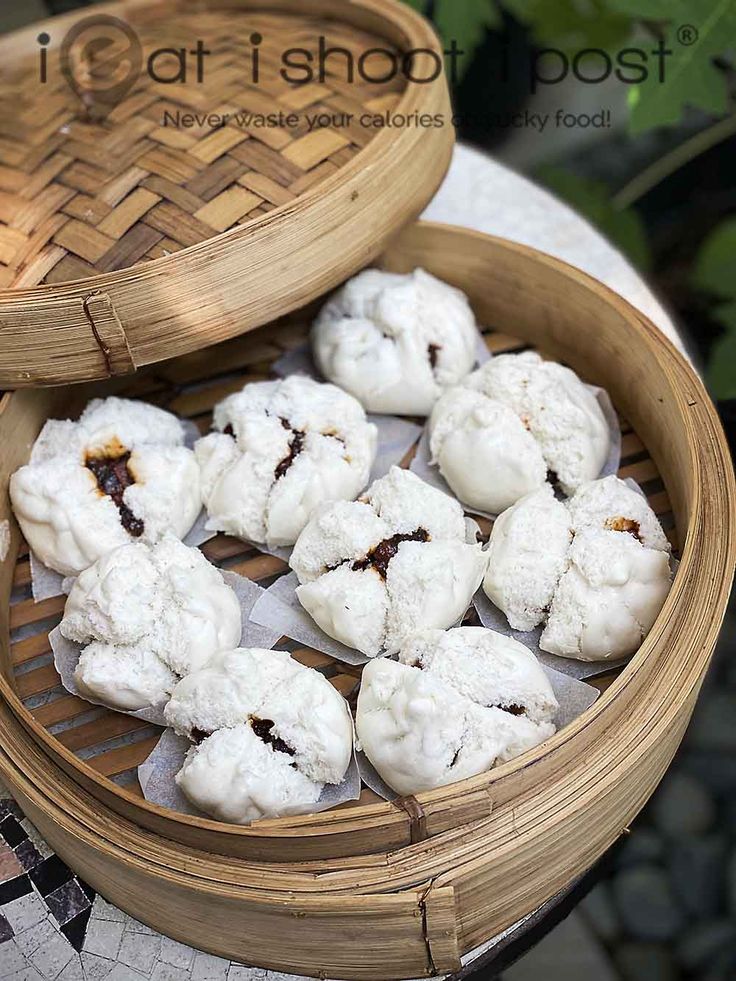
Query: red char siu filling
[[113, 476], [432, 351], [626, 525], [262, 728], [511, 709], [295, 447], [380, 555]]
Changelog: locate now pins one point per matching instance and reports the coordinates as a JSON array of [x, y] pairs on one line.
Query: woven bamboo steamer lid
[[423, 884], [125, 240]]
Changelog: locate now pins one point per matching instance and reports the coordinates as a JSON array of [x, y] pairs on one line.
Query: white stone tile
[[51, 958], [239, 972], [139, 950], [167, 972], [135, 926], [103, 938], [179, 955], [73, 971], [278, 976], [26, 912], [29, 974], [207, 967], [121, 972], [30, 940], [96, 968], [13, 961], [102, 910], [42, 848]]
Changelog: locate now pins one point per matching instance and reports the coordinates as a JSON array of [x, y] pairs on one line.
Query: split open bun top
[[595, 570], [374, 571], [120, 473], [280, 449], [396, 342], [513, 424], [456, 703], [269, 733]]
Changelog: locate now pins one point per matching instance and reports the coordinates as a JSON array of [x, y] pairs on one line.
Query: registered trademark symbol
[[687, 34]]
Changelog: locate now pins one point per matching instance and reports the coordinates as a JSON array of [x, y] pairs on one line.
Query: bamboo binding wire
[[114, 230], [294, 894]]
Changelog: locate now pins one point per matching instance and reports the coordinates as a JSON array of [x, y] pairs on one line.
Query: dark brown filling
[[295, 447], [229, 431], [627, 525], [432, 351], [380, 555], [113, 476], [198, 736], [552, 478], [511, 709], [262, 728]]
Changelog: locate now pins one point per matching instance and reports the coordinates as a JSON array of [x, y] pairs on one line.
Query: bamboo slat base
[[364, 891]]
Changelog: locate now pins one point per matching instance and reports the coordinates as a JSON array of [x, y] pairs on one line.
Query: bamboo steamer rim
[[710, 537], [390, 155]]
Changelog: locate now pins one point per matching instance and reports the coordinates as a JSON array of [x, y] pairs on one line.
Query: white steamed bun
[[595, 569], [269, 734], [395, 341], [373, 571], [498, 435], [120, 473], [282, 448], [456, 704], [147, 615]]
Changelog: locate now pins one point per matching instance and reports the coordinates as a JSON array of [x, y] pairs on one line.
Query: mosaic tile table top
[[53, 927]]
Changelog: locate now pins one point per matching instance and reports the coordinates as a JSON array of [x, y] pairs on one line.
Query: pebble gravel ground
[[667, 909]]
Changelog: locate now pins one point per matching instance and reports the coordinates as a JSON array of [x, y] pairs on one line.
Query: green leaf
[[715, 265], [593, 199], [691, 77], [466, 23], [721, 374], [570, 25], [420, 5], [646, 9]]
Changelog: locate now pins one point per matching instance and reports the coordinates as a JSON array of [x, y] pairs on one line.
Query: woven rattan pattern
[[79, 197]]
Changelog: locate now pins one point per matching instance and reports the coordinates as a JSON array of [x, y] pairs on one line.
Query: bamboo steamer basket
[[375, 890], [112, 230]]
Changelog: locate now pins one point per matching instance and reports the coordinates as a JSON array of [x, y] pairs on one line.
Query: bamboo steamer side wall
[[516, 291], [346, 893]]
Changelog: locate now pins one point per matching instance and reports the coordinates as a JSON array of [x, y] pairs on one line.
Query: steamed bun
[[147, 615], [118, 474], [269, 734], [281, 448], [396, 342], [455, 704], [513, 423], [375, 570], [595, 569]]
